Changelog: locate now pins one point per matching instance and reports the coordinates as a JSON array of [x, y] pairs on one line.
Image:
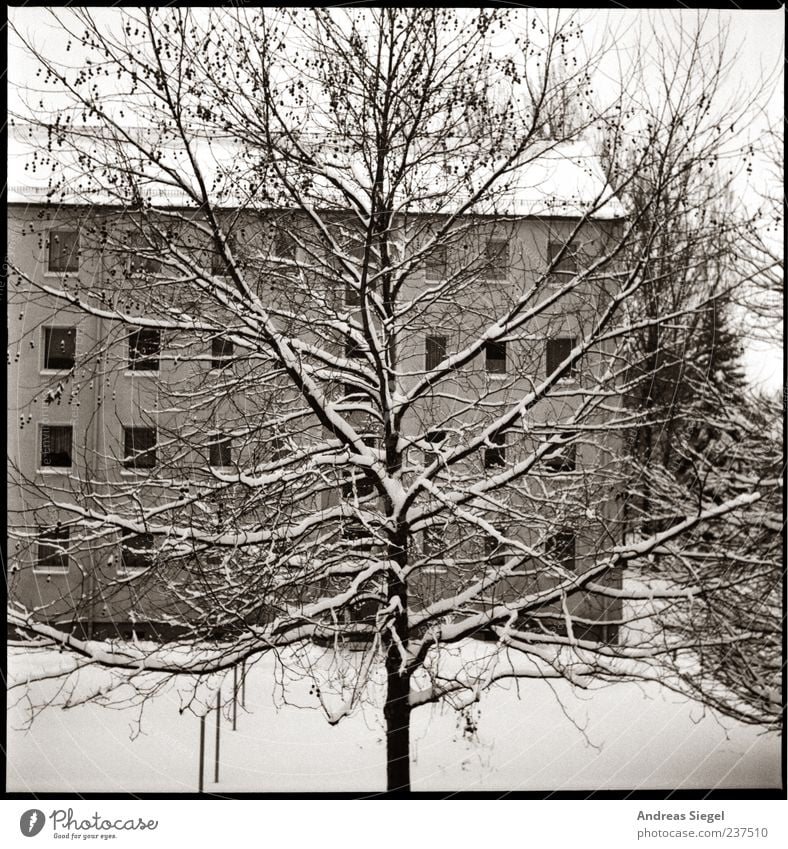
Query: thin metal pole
[[243, 683], [235, 695], [218, 729], [202, 751], [92, 591]]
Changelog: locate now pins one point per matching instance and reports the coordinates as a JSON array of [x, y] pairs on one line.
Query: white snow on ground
[[633, 737]]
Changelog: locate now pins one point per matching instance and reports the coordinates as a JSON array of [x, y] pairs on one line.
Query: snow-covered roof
[[566, 181], [556, 179]]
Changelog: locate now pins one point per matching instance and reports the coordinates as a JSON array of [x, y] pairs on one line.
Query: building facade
[[119, 408]]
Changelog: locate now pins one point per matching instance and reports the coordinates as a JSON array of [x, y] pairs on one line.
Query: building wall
[[104, 394]]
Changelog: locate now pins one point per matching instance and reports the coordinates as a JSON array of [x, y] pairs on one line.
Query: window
[[271, 450], [220, 448], [144, 347], [562, 458], [136, 554], [357, 483], [496, 455], [56, 446], [218, 262], [143, 259], [567, 265], [64, 250], [561, 548], [353, 349], [354, 392], [434, 351], [283, 246], [495, 357], [277, 449], [60, 345], [496, 259], [52, 545], [494, 554], [431, 540], [433, 548], [357, 536], [221, 352], [139, 447], [436, 263], [433, 437], [355, 249], [558, 350]]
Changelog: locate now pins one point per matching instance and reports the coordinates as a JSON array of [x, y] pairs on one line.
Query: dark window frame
[[435, 350], [47, 345], [278, 449], [493, 554], [139, 264], [220, 450], [50, 555], [496, 261], [495, 357], [47, 348], [136, 562], [53, 458], [354, 350], [352, 296], [570, 258], [495, 454], [564, 545], [566, 459], [141, 359], [433, 437], [219, 264], [352, 392], [554, 357], [66, 259], [280, 238], [356, 532], [432, 545], [437, 264], [221, 352], [139, 458], [356, 482]]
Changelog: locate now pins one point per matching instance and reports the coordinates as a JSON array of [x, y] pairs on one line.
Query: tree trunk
[[397, 707], [397, 713]]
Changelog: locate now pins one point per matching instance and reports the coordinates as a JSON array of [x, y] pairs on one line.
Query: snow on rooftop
[[558, 179]]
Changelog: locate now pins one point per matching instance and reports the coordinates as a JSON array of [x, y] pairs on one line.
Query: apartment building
[[105, 417]]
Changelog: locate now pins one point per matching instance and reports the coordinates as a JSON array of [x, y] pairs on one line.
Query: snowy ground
[[632, 737]]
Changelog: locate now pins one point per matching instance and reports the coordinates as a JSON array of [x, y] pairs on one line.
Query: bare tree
[[679, 371], [741, 557], [761, 247], [359, 311], [700, 427]]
